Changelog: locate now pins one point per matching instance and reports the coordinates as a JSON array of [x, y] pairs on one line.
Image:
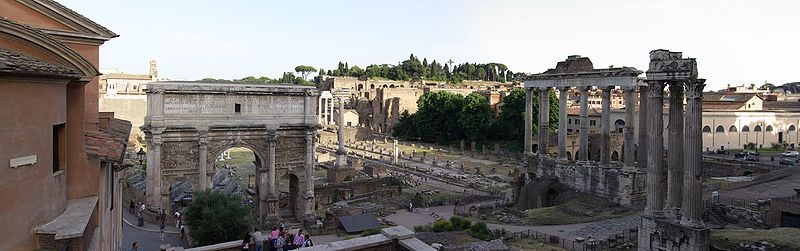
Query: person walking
[[161, 229], [258, 239], [177, 219]]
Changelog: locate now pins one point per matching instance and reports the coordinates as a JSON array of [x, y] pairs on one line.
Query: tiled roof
[[88, 23], [14, 63], [722, 105], [110, 141]]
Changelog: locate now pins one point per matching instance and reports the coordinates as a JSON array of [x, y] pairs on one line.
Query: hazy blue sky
[[734, 41]]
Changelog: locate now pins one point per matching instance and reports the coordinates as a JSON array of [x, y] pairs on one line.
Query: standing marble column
[[154, 170], [544, 120], [693, 146], [528, 121], [583, 147], [271, 190], [309, 174], [641, 161], [675, 150], [341, 153], [605, 120], [655, 138], [320, 108], [330, 111], [628, 146], [562, 123], [203, 161]]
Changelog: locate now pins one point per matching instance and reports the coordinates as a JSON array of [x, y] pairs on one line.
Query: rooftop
[[15, 63]]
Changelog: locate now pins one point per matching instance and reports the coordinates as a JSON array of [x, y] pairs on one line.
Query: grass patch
[[533, 245], [579, 209], [783, 238]]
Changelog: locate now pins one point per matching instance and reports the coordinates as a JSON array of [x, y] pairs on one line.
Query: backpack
[[308, 243]]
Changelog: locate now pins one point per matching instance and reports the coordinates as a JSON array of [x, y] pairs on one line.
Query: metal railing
[[625, 240]]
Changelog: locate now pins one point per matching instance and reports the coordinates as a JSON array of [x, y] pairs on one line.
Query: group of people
[[277, 240]]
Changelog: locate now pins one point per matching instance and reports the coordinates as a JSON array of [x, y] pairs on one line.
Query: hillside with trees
[[413, 68]]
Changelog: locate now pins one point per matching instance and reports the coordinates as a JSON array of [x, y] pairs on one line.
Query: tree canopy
[[304, 70], [442, 116], [216, 217], [413, 68]]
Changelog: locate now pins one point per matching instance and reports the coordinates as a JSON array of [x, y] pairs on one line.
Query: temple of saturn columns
[[188, 124], [672, 216]]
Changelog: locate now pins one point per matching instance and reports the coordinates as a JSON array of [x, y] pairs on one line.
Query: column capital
[[606, 89], [656, 88], [546, 88], [564, 88], [675, 88], [272, 135], [694, 88], [584, 89]]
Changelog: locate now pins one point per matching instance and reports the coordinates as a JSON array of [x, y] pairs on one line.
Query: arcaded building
[[58, 156]]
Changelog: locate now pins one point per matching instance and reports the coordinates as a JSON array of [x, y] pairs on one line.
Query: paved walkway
[[148, 235], [598, 229]]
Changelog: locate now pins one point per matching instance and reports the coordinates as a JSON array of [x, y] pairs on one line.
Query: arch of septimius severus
[[671, 222], [188, 124]]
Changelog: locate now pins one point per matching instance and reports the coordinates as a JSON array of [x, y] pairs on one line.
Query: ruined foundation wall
[[624, 188]]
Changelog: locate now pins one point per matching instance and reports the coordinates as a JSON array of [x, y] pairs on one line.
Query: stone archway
[[189, 124]]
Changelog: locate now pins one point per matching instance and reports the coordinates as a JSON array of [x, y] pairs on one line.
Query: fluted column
[[675, 150], [583, 147], [528, 121], [655, 138], [562, 123], [544, 118], [605, 120], [203, 161], [641, 157], [628, 146], [693, 146]]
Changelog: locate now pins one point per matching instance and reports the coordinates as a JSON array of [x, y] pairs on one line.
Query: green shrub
[[480, 231], [442, 226], [460, 223]]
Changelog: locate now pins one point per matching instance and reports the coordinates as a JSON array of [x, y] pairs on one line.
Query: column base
[[658, 234]]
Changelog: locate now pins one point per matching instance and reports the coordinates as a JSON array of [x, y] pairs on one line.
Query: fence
[[625, 240], [755, 205]]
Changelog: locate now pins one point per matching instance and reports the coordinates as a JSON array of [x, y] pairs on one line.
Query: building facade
[[59, 158]]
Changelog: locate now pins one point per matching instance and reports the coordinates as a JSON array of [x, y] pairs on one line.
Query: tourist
[[131, 207], [279, 243], [273, 237], [289, 241], [161, 229], [135, 246], [308, 242], [258, 238], [177, 219], [142, 208], [162, 216], [246, 241], [299, 239]]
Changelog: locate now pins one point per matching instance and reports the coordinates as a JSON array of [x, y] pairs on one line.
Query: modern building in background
[[123, 94], [59, 157]]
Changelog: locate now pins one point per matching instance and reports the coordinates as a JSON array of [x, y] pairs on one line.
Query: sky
[[734, 41]]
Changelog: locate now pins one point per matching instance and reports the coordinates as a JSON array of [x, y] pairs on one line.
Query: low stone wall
[[623, 187]]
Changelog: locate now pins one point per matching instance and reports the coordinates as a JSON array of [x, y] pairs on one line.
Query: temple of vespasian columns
[[671, 222], [188, 124]]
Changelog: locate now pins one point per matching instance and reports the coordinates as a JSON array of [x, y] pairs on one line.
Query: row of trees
[[413, 68], [444, 117], [287, 77]]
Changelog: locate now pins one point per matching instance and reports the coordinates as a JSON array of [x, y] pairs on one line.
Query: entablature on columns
[[584, 81]]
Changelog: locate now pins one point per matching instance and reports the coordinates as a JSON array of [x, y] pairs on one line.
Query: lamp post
[[141, 156]]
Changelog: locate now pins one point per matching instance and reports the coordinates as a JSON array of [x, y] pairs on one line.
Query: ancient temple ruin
[[671, 222]]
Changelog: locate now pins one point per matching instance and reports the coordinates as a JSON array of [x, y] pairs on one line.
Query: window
[[732, 129], [792, 128], [592, 123], [237, 108], [769, 128], [706, 129], [349, 124], [577, 121], [757, 128], [569, 121], [59, 147], [720, 129], [745, 129]]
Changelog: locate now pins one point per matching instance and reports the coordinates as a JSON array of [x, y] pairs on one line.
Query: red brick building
[[58, 156]]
